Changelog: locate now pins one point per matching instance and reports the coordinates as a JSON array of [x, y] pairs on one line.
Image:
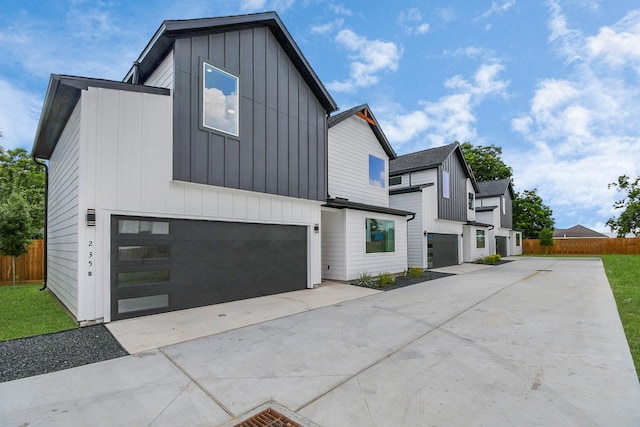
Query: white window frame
[[206, 67]]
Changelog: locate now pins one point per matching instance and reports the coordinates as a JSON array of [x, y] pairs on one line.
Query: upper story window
[[472, 199], [395, 180], [220, 100], [445, 184], [503, 202], [377, 174]]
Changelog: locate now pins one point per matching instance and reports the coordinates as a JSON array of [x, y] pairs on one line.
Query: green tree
[[19, 174], [531, 214], [486, 162], [629, 219], [15, 228], [546, 238]]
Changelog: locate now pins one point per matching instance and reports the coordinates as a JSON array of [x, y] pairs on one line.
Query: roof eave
[[165, 36]]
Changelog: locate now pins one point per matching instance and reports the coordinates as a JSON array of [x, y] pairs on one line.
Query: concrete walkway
[[535, 342]]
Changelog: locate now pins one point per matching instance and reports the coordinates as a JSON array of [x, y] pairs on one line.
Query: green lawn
[[26, 311], [623, 272]]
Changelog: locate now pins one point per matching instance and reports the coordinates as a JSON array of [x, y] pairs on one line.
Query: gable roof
[[421, 160], [576, 231], [170, 30], [497, 187], [62, 96], [430, 159], [364, 112]]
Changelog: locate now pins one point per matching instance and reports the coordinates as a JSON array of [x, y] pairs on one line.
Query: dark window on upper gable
[[395, 180], [472, 199]]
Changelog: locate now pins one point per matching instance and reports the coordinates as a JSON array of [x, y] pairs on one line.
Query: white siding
[[515, 250], [128, 170], [62, 230], [333, 244], [412, 202], [350, 144], [470, 249], [414, 179], [358, 261], [163, 75]]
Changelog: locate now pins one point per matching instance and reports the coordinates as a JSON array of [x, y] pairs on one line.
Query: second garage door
[[442, 250], [161, 265]]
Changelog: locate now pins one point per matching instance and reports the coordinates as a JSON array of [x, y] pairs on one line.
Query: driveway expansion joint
[[197, 383]]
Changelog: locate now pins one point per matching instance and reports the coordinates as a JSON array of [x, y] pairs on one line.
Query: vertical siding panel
[[283, 154], [313, 151], [216, 54], [259, 148], [283, 123], [271, 151], [293, 159], [259, 65], [303, 143], [246, 64], [216, 159], [246, 147], [199, 139], [271, 71], [232, 163], [322, 158], [232, 52], [182, 111]]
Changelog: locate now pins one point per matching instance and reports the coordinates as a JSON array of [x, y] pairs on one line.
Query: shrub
[[365, 280], [489, 259], [385, 279], [415, 272]]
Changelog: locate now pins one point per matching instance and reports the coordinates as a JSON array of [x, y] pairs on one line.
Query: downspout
[[46, 216]]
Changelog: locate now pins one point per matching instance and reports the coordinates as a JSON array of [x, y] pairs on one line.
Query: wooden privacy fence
[[596, 246], [29, 267]]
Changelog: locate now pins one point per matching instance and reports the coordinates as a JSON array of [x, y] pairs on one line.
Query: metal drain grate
[[268, 418]]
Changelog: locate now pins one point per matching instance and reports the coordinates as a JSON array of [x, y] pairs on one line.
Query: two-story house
[[198, 179], [494, 205], [360, 232], [438, 185]]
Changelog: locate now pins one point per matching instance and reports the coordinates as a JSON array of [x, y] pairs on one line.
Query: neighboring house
[[437, 184], [360, 232], [494, 205], [197, 180], [577, 232]]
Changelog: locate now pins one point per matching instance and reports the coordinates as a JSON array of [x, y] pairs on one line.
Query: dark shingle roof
[[576, 231], [384, 142], [494, 188], [421, 160]]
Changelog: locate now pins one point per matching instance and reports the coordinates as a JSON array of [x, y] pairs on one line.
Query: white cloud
[[19, 113], [369, 58], [450, 118], [340, 10], [262, 5], [328, 27], [498, 8], [583, 128], [412, 22]]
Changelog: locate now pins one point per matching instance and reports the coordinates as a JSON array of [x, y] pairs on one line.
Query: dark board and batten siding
[[455, 207], [282, 143]]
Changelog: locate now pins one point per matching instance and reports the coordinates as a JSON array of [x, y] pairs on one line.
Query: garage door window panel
[[138, 278], [142, 252]]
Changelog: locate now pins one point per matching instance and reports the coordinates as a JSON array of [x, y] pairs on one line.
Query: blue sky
[[555, 83]]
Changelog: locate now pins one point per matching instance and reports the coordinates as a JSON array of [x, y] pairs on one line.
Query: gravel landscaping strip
[[26, 357]]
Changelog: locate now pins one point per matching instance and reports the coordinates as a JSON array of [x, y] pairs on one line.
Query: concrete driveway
[[535, 342]]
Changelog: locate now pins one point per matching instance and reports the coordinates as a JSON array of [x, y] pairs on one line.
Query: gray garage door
[[442, 250], [501, 245], [160, 265]]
